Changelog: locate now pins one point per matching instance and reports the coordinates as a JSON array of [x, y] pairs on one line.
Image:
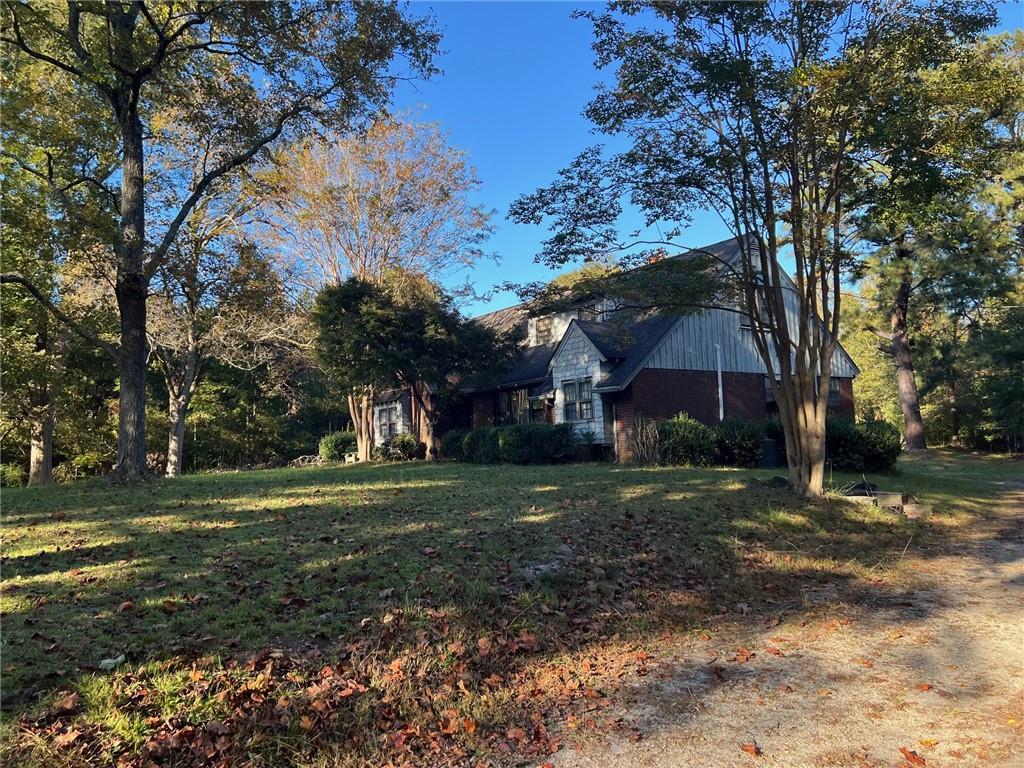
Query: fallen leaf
[[927, 743], [66, 739], [66, 704], [127, 605], [752, 749], [743, 655], [912, 757], [169, 606], [925, 687], [306, 723], [484, 645]]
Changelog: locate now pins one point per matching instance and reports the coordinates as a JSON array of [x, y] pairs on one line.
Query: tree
[[406, 333], [938, 137], [753, 110], [238, 75], [394, 200], [218, 298]]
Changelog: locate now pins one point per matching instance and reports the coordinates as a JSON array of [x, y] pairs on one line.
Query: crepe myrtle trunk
[[131, 289], [906, 384], [428, 414], [802, 414], [360, 407]]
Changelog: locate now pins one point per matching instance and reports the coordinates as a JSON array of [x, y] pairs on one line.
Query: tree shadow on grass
[[362, 567]]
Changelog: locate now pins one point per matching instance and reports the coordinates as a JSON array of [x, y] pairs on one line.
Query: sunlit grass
[[187, 578]]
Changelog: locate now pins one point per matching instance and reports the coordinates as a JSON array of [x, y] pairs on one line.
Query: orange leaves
[[912, 757], [752, 749], [743, 655]]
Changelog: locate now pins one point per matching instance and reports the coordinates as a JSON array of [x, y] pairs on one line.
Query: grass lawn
[[353, 615]]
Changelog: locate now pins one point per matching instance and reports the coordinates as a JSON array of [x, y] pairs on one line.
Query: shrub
[[521, 444], [871, 446], [334, 446], [11, 475], [739, 443], [515, 444], [881, 444], [843, 446], [480, 446], [401, 447], [684, 440], [451, 444]]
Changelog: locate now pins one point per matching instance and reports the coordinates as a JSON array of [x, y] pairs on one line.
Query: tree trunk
[[181, 385], [428, 414], [803, 425], [176, 412], [40, 458], [360, 406], [131, 291], [40, 462], [905, 383]]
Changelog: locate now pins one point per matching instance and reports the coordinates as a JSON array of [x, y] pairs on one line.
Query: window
[[834, 395], [579, 400], [588, 312], [543, 327], [387, 421], [513, 407]]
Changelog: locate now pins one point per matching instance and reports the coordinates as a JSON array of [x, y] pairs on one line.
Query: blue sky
[[517, 76]]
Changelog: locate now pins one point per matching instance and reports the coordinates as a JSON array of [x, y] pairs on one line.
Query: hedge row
[[869, 446], [518, 444], [686, 441]]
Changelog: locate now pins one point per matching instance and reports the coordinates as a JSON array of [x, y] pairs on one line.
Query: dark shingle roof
[[530, 367], [644, 336], [504, 320]]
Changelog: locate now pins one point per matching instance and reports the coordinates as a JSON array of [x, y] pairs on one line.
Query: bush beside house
[[517, 444], [334, 446]]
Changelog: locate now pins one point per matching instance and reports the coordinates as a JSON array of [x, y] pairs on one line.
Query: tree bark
[[177, 409], [906, 385], [131, 290], [40, 462], [360, 407]]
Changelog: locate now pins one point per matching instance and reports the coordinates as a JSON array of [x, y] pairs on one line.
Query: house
[[600, 370]]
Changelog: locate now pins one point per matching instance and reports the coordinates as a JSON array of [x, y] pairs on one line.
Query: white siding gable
[[577, 358]]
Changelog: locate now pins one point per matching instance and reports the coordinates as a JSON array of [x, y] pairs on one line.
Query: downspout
[[721, 395]]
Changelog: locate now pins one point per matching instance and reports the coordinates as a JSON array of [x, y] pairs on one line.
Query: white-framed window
[[579, 400], [387, 421]]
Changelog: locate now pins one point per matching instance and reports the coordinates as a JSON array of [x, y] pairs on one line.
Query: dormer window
[[543, 330]]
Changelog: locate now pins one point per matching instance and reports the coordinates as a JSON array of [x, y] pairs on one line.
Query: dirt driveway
[[931, 676]]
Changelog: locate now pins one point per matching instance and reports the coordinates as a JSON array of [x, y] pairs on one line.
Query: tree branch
[[13, 278]]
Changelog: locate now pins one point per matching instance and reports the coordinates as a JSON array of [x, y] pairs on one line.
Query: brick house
[[599, 370]]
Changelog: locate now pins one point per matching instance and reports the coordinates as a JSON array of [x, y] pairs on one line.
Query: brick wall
[[845, 407], [660, 394]]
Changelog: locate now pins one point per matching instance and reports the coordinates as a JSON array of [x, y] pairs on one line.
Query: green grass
[[227, 595]]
